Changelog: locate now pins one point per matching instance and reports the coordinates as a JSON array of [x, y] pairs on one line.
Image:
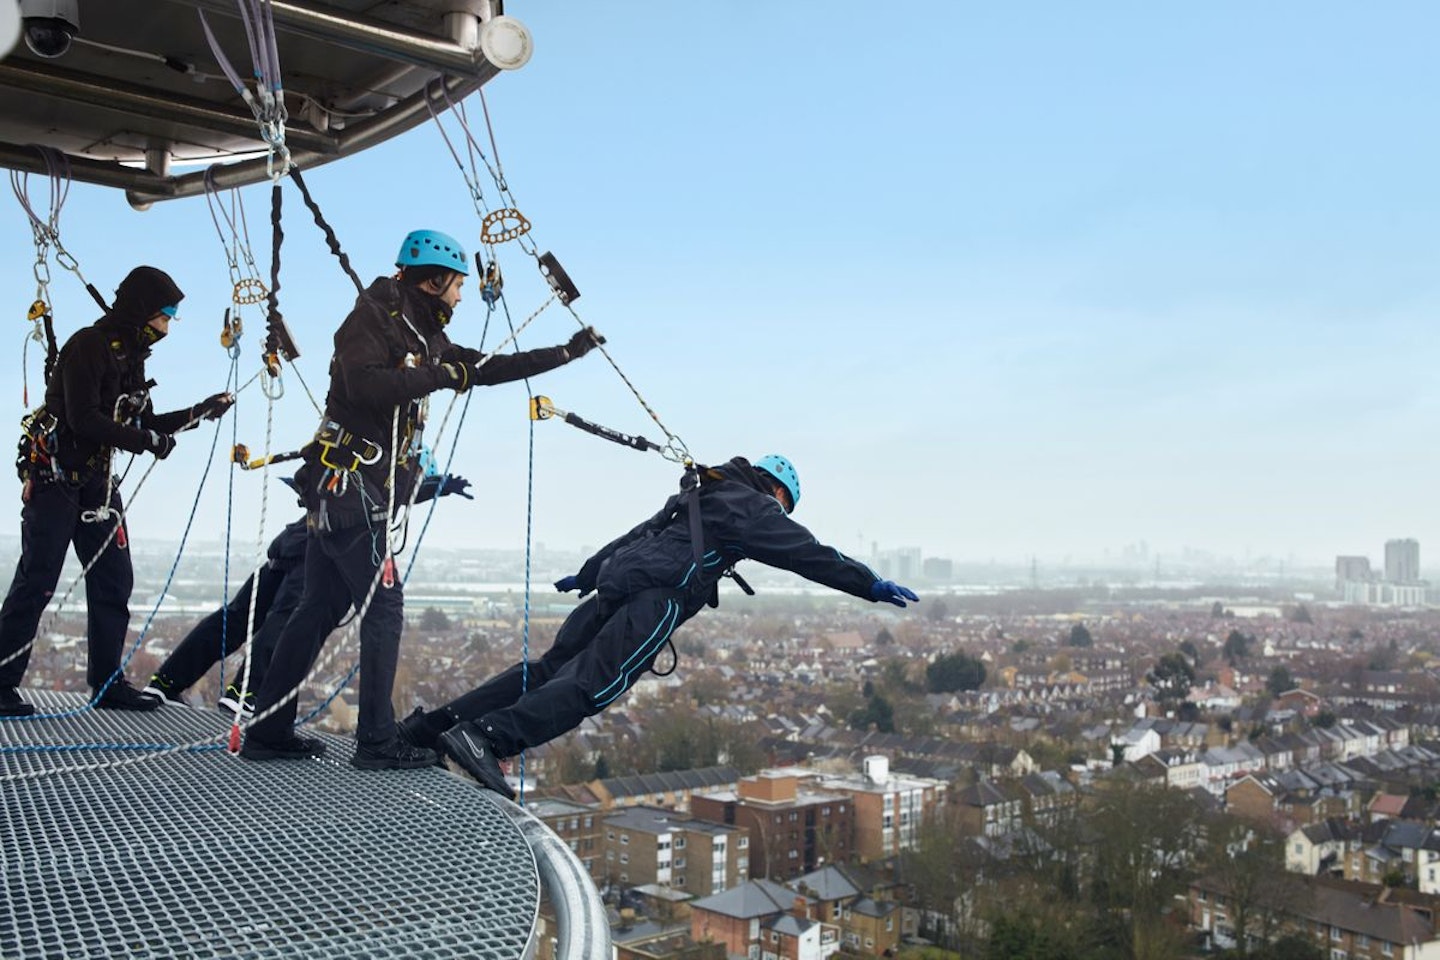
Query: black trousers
[[49, 524], [277, 593], [339, 568], [601, 650]]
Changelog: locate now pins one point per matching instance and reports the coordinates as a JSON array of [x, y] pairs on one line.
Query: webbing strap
[[697, 530]]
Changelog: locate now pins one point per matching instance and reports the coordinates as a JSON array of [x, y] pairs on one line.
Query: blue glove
[[456, 485], [566, 584], [891, 592]]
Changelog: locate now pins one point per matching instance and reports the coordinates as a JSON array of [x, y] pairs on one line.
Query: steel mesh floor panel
[[106, 850]]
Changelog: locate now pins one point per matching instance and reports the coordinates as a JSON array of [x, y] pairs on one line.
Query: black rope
[[273, 319], [330, 239], [52, 349]]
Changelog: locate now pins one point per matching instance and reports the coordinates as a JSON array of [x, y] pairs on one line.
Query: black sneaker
[[121, 696], [467, 745], [11, 705], [294, 747], [163, 687], [395, 754], [416, 730], [232, 699]]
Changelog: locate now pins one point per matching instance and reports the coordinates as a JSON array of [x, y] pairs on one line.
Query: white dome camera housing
[[50, 26]]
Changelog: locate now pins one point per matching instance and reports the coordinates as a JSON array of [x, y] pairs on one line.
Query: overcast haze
[[1001, 279]]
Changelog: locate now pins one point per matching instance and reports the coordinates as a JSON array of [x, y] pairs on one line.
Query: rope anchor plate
[[248, 291], [501, 225]]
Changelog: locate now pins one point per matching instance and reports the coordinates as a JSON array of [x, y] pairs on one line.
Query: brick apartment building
[[794, 828]]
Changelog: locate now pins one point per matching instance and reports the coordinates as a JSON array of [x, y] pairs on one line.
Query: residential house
[[655, 847], [1342, 918], [1318, 847], [989, 809], [577, 826], [672, 789], [763, 920]]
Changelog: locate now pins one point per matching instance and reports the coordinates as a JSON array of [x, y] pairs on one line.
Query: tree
[[1172, 677], [1279, 681], [1237, 647], [1188, 648], [1249, 869], [602, 768], [877, 712], [1300, 614], [1080, 636], [434, 620], [955, 671], [884, 638], [1217, 610], [1144, 838], [1324, 720], [937, 611], [895, 676]]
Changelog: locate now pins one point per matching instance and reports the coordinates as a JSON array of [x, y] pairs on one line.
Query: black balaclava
[[140, 296], [412, 277]]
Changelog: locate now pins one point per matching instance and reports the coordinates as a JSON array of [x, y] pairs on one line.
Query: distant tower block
[[1351, 570], [1402, 561]]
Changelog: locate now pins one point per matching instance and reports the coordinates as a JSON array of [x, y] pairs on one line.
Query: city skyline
[[1042, 284]]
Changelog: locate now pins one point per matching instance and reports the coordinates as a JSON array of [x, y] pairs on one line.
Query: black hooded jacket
[[103, 362], [388, 354], [741, 520]]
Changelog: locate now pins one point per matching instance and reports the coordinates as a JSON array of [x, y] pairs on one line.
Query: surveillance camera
[[50, 25]]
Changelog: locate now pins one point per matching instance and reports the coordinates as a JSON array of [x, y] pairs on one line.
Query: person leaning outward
[[390, 353], [276, 589], [97, 400], [646, 584]]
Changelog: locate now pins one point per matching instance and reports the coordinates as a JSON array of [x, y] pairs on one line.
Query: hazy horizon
[[1004, 282]]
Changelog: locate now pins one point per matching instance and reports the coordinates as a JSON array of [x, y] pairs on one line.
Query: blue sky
[[1001, 279]]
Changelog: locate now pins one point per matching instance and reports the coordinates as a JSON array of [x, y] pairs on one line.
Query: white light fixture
[[506, 42], [9, 26]]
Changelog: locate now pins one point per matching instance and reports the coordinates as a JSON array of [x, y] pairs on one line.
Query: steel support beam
[[70, 86], [405, 115], [363, 34]]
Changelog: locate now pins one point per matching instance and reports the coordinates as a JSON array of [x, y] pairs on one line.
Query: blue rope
[[229, 514], [149, 620], [525, 633], [414, 553]]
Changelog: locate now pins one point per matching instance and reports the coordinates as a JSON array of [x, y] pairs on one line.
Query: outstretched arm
[[508, 367], [771, 537]]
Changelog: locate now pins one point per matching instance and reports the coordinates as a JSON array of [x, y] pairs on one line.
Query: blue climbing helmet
[[784, 471], [431, 248]]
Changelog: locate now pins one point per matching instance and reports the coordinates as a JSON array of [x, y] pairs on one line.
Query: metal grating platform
[[201, 854]]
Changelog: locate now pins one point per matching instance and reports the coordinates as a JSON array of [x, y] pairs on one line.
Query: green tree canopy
[[1080, 636], [1279, 681], [954, 671], [878, 712], [1172, 677], [1237, 647]]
